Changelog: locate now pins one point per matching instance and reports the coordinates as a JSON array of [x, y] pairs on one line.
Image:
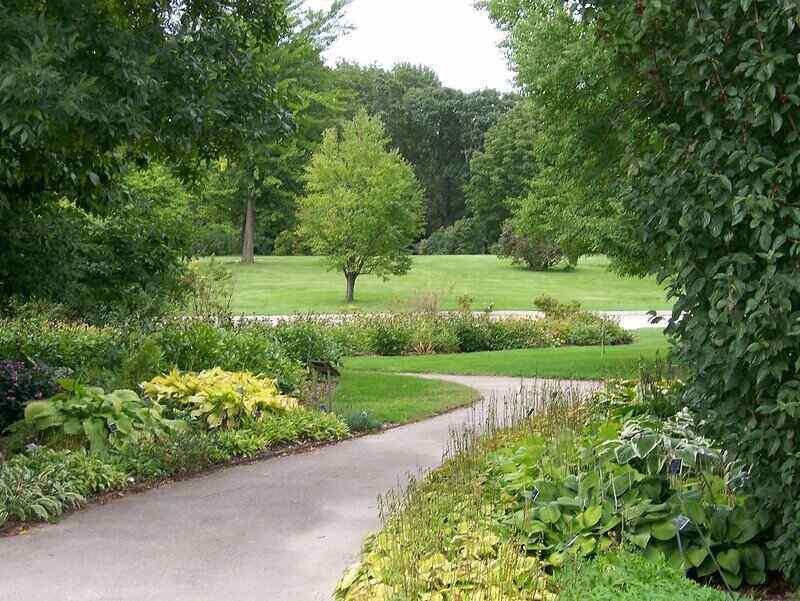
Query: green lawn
[[281, 285], [582, 363], [396, 399]]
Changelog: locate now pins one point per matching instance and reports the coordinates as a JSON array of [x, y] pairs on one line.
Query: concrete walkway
[[277, 530]]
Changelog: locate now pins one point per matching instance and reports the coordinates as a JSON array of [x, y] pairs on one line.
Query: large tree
[[89, 88], [504, 169], [364, 206], [269, 176]]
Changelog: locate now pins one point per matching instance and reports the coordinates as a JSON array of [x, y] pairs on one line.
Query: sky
[[457, 40]]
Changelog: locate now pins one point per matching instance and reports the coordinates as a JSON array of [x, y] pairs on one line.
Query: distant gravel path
[[630, 320], [277, 530]]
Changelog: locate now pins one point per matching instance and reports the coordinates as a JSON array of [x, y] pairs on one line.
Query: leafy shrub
[[20, 383], [303, 340], [362, 421], [129, 263], [76, 346], [390, 337], [626, 576], [552, 307], [199, 345], [289, 243], [43, 483], [537, 255], [656, 485], [85, 414], [461, 238], [218, 398]]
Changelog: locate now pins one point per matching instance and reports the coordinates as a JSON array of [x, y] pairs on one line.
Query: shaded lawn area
[[286, 285], [569, 362], [397, 399]]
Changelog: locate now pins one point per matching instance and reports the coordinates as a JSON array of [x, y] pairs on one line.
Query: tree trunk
[[351, 286], [248, 235]]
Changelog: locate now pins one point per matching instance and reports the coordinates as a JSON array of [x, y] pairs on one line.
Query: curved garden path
[[277, 530]]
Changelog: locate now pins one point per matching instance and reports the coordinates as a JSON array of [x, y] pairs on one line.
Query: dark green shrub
[[715, 190], [76, 346], [536, 255], [389, 337], [305, 340], [461, 238], [21, 382]]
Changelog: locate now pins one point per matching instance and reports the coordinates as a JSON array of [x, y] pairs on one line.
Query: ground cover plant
[[580, 363], [619, 496], [285, 285]]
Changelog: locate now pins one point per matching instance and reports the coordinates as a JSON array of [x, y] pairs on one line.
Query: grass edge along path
[[394, 399], [566, 362]]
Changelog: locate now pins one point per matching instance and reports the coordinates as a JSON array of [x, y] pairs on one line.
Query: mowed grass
[[569, 362], [286, 285], [393, 399]]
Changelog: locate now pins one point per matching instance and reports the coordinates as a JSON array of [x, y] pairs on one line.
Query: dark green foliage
[[21, 382], [461, 238], [537, 254], [626, 576], [127, 263], [504, 169], [715, 191], [654, 484]]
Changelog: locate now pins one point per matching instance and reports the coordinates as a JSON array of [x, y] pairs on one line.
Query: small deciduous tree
[[364, 206]]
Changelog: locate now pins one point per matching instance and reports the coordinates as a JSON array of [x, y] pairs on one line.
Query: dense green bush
[[21, 382], [535, 254], [461, 238], [714, 190], [129, 263]]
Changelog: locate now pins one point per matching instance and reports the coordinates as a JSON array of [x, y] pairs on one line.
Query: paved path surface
[[630, 320], [278, 530]]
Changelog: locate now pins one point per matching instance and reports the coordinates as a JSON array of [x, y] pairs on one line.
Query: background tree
[[436, 129], [503, 170], [583, 119], [269, 176], [364, 206]]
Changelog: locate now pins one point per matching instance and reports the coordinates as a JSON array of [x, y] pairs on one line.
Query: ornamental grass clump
[[217, 398]]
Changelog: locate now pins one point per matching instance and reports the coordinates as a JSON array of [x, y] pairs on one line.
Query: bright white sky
[[457, 40]]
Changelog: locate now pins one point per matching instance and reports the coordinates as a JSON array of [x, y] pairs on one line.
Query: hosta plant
[[219, 398], [84, 415], [652, 485]]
